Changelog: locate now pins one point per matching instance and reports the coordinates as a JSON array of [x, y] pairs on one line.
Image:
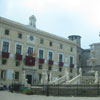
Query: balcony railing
[[61, 64], [5, 54], [41, 61], [30, 61], [50, 62], [18, 57]]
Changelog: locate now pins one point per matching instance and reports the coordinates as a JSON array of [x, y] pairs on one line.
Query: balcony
[[71, 65], [30, 61], [18, 57], [61, 64], [50, 62], [41, 61], [5, 54]]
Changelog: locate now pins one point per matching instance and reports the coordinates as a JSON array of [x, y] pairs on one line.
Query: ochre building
[[26, 48]]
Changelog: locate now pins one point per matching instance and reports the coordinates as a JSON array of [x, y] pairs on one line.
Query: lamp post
[[48, 82], [12, 86]]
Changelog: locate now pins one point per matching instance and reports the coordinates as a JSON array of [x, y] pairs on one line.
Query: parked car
[[1, 86]]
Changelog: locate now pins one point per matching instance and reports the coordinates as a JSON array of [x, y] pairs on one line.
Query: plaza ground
[[5, 95]]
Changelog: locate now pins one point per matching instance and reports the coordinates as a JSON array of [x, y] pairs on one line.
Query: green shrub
[[28, 92]]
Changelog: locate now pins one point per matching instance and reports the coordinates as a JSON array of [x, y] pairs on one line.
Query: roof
[[74, 36], [34, 30]]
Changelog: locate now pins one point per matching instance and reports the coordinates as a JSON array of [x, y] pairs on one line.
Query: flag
[[34, 53]]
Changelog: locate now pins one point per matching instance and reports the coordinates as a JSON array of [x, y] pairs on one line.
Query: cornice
[[35, 31]]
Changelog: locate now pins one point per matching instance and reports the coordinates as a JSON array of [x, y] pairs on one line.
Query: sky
[[59, 17]]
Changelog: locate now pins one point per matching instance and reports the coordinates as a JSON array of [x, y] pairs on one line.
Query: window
[[60, 69], [79, 57], [40, 66], [3, 74], [16, 75], [30, 51], [50, 55], [18, 49], [83, 72], [41, 41], [61, 46], [41, 54], [50, 43], [6, 32], [5, 46], [71, 49], [71, 60], [40, 77], [60, 57], [75, 37], [19, 35], [71, 70], [17, 63], [4, 61], [50, 68]]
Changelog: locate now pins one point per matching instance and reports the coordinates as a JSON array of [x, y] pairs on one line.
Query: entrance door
[[29, 79]]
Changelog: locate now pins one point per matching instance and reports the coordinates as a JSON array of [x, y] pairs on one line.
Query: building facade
[[26, 48]]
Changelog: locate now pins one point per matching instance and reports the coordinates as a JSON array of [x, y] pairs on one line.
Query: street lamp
[[48, 82], [48, 74]]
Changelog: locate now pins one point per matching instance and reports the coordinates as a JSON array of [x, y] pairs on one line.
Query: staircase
[[63, 80], [59, 80], [75, 80]]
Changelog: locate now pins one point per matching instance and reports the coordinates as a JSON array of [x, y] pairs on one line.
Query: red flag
[[34, 54]]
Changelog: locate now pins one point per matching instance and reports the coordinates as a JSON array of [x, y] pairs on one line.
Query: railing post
[[77, 89], [58, 89], [98, 89], [47, 94]]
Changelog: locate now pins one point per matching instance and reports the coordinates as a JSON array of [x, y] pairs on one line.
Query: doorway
[[29, 79]]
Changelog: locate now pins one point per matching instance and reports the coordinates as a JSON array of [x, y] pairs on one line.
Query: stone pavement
[[5, 95]]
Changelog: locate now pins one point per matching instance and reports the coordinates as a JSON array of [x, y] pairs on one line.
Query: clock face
[[31, 38]]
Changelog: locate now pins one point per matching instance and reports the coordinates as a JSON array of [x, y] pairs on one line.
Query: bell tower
[[32, 21]]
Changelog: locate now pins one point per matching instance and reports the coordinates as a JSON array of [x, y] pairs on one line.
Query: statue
[[44, 78], [50, 76], [80, 71], [67, 74], [24, 82], [32, 21], [96, 77], [23, 77]]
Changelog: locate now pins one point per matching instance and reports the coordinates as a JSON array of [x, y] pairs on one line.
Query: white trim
[[52, 54], [19, 44], [66, 59], [62, 56], [5, 40], [43, 52]]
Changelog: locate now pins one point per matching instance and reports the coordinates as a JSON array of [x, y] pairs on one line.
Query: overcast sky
[[60, 17]]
